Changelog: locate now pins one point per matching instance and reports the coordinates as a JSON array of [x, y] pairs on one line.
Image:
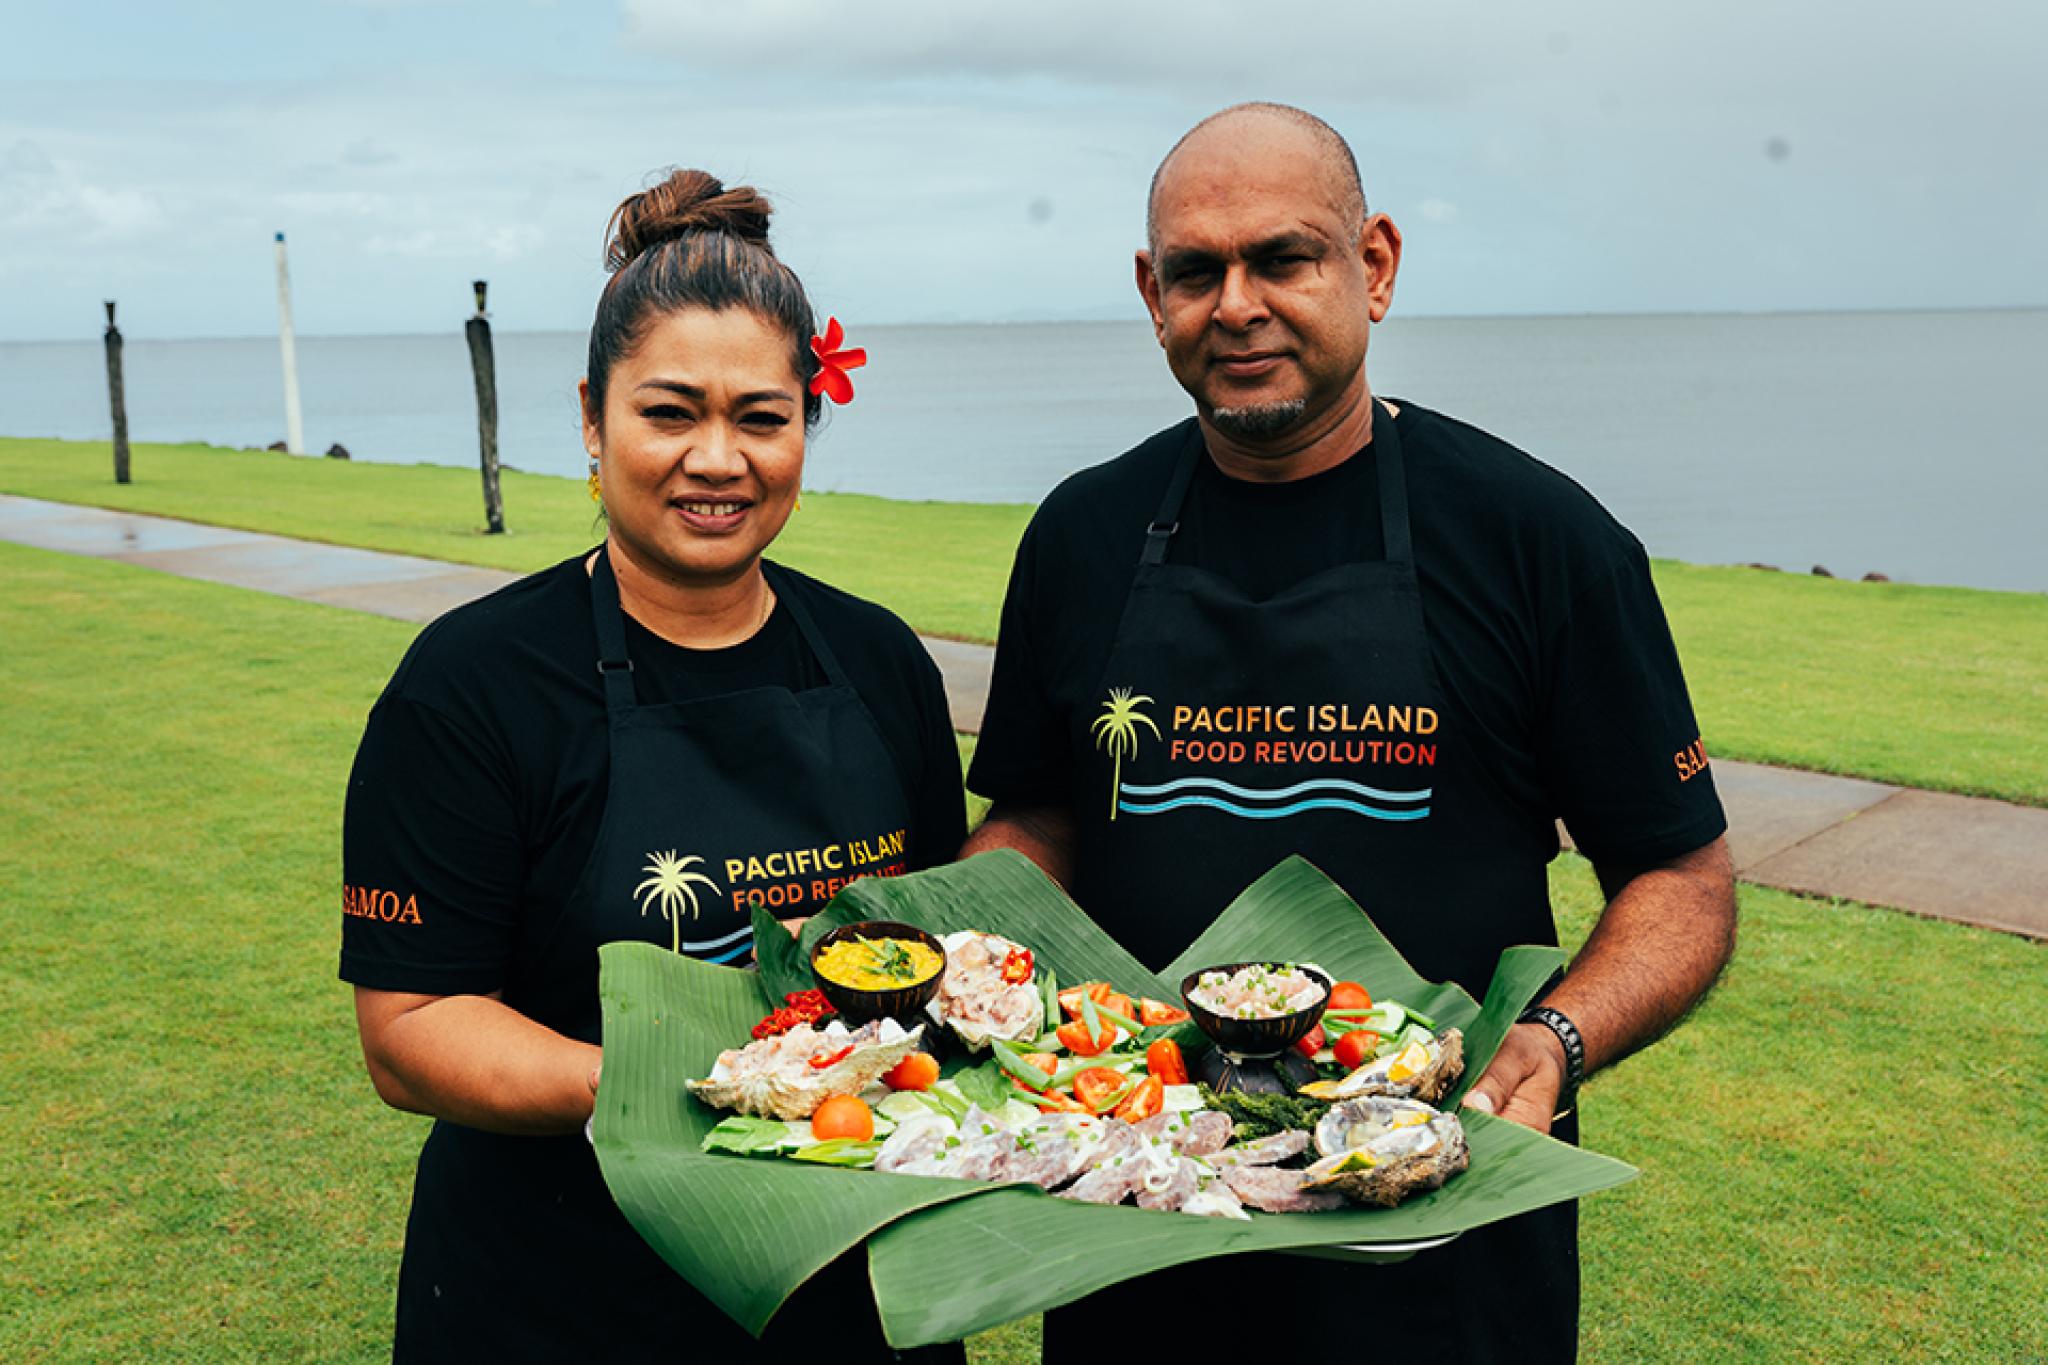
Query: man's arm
[[1662, 940], [1044, 834]]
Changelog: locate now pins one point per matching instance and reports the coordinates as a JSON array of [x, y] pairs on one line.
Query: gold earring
[[799, 501], [596, 493]]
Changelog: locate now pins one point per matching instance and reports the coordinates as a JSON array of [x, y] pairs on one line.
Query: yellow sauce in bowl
[[884, 964]]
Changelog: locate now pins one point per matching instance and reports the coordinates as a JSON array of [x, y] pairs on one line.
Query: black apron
[[514, 1249], [1231, 733]]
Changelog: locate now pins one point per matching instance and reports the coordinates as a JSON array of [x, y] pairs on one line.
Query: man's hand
[[1524, 1079]]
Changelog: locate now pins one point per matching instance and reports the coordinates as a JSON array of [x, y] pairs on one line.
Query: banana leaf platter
[[948, 1258]]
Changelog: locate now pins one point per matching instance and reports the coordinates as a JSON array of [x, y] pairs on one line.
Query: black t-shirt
[[1542, 620], [479, 787]]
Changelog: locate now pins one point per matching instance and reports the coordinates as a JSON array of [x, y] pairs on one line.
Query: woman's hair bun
[[686, 201]]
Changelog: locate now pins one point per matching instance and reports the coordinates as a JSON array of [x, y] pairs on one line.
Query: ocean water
[[1902, 443]]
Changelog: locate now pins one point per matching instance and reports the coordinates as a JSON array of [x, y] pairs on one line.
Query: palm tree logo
[[672, 885], [1116, 730]]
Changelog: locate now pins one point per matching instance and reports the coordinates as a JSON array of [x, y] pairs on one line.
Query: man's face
[[1261, 284]]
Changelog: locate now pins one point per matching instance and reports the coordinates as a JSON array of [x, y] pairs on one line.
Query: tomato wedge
[[1349, 995], [1148, 1099], [1074, 1036], [1044, 1061], [1155, 1013], [1354, 1049], [1098, 1087], [1059, 1102], [1072, 996], [1312, 1044], [1163, 1060], [1115, 1000]]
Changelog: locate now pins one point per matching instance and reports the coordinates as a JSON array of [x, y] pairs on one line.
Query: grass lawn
[[1930, 687], [1843, 1153]]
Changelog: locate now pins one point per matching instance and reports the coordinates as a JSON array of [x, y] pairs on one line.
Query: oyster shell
[[974, 1000], [774, 1077], [1421, 1071], [1380, 1150]]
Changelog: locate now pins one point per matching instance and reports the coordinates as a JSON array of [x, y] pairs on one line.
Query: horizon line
[[1645, 313]]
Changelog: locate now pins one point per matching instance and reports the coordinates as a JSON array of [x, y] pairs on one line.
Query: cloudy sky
[[948, 160]]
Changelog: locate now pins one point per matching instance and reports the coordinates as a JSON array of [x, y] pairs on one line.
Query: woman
[[634, 744]]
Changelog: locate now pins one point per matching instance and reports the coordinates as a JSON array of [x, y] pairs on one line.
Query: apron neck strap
[[778, 579], [1393, 481], [1161, 532], [1393, 473], [615, 665]]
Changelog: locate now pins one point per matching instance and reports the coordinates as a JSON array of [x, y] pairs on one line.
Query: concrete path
[[1951, 857]]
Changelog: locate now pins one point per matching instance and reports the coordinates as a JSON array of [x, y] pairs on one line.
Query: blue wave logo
[[1275, 803]]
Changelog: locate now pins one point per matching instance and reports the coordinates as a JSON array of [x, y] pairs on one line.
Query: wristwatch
[[1574, 1048]]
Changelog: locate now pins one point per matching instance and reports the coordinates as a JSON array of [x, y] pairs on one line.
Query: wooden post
[[485, 366], [117, 396]]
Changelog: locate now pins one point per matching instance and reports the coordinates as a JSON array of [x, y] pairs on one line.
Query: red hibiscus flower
[[833, 363]]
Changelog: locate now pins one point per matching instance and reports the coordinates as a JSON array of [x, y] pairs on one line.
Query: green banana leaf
[[944, 1255]]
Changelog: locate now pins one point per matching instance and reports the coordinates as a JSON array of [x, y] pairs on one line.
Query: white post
[[294, 426]]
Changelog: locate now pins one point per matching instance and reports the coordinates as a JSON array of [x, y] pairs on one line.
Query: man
[[1309, 621]]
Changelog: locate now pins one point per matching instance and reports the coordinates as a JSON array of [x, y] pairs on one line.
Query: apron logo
[[672, 885], [1116, 730]]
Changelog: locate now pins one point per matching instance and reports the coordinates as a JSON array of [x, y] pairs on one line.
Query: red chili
[[1017, 966], [821, 1060]]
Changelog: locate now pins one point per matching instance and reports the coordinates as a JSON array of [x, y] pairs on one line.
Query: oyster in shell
[[1423, 1071], [974, 1000], [1380, 1150], [790, 1075]]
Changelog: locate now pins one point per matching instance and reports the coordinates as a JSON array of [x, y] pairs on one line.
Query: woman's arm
[[476, 1061]]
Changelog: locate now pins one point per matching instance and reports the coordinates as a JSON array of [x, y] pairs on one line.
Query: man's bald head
[[1333, 153]]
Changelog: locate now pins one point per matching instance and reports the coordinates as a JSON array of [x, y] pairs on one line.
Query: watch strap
[[1567, 1034]]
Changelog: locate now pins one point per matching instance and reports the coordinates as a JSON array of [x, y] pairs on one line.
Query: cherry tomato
[[1354, 1049], [1144, 1102], [1154, 1013], [1075, 1038], [1349, 995], [843, 1116], [1312, 1044], [915, 1072], [1097, 1086]]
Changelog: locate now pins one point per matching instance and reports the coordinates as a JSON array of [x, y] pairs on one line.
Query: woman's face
[[701, 447]]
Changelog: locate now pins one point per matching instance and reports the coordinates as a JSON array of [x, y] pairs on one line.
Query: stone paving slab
[[1950, 857], [287, 568], [1773, 809], [966, 669], [1953, 857], [418, 600], [92, 531]]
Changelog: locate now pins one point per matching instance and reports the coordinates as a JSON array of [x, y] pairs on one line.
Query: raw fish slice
[[1273, 1190], [1215, 1199], [1266, 1151], [1203, 1132], [1052, 1150], [1116, 1171], [1166, 1179]]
